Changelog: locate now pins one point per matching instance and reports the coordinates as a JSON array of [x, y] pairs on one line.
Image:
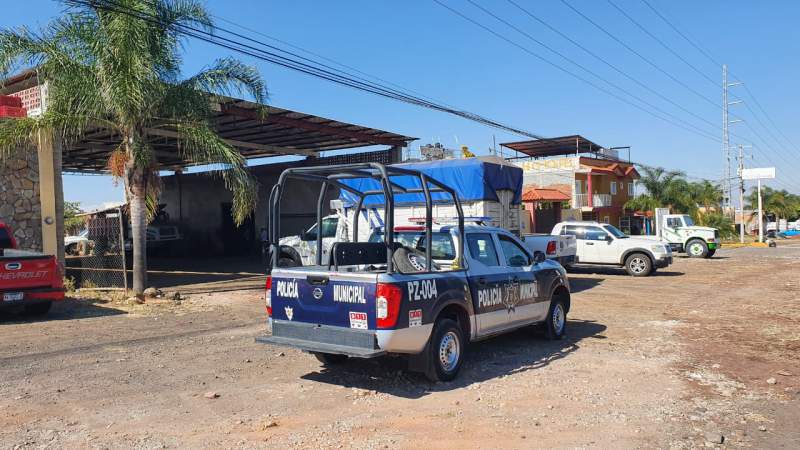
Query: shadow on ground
[[615, 271], [68, 309], [512, 353], [580, 284]]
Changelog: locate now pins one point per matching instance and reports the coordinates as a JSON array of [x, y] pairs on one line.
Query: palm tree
[[705, 194], [118, 70], [664, 189]]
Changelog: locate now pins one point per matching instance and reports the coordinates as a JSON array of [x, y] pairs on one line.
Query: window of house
[[606, 219], [613, 188], [578, 186], [631, 188], [481, 248]]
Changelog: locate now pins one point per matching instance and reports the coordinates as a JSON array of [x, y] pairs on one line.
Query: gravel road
[[705, 353]]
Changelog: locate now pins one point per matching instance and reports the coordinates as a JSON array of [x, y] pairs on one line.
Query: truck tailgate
[[25, 270], [324, 298]]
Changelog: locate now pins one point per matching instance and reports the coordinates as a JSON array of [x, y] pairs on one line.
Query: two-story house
[[597, 182]]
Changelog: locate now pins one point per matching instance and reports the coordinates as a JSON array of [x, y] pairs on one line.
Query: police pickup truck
[[422, 291]]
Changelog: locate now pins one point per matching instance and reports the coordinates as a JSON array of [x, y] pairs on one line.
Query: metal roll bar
[[332, 176]]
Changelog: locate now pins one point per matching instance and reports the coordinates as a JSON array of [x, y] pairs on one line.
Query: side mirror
[[308, 236], [609, 238], [538, 257]]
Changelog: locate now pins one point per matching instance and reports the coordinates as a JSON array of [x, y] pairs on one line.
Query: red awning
[[531, 194]]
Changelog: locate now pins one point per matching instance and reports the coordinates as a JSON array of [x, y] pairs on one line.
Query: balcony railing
[[598, 200]]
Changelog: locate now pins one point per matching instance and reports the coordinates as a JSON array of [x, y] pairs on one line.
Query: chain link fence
[[96, 260]]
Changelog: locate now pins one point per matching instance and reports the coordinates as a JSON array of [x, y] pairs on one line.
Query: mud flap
[[421, 362]]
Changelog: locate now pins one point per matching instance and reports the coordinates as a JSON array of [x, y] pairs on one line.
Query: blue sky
[[426, 48]]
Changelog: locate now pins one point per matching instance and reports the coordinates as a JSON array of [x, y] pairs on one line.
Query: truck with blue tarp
[[423, 291], [489, 191]]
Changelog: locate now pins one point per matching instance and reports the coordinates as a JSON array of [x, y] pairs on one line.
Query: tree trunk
[[138, 214], [136, 191]]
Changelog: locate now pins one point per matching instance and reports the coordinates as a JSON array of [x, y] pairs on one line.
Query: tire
[[638, 265], [556, 325], [287, 262], [711, 253], [697, 248], [330, 359], [446, 351], [38, 309], [410, 261]]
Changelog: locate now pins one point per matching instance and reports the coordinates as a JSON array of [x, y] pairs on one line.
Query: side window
[[572, 230], [329, 227], [442, 246], [481, 248], [613, 188], [515, 255], [673, 222], [631, 190], [595, 234]]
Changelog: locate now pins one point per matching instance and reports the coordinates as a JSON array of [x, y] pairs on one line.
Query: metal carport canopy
[[281, 132]]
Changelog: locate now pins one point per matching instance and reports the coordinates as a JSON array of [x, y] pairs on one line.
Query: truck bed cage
[[334, 175]]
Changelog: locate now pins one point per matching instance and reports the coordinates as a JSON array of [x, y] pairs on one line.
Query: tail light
[[387, 305], [551, 248], [268, 296]]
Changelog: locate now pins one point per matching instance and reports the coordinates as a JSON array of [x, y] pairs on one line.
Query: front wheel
[[697, 248], [446, 351], [638, 265]]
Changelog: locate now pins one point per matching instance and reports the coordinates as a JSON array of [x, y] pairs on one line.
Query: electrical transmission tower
[[727, 186]]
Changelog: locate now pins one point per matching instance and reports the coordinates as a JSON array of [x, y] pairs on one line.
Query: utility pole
[[726, 155], [727, 191], [741, 194]]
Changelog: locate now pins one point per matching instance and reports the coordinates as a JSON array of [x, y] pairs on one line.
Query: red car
[[27, 279]]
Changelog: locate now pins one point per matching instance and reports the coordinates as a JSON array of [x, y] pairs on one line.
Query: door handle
[[482, 281], [590, 243]]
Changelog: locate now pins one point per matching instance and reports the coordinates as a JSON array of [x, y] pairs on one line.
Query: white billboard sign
[[758, 173]]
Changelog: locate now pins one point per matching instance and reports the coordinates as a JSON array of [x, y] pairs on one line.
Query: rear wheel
[[697, 248], [638, 265], [330, 359], [446, 351], [556, 325], [38, 309]]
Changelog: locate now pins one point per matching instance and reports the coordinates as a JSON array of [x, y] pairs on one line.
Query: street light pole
[[760, 215]]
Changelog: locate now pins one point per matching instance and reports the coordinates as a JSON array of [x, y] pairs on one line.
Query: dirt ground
[[705, 353]]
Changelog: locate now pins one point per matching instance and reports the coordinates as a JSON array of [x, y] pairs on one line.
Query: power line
[[674, 28], [642, 57], [667, 47], [311, 68], [572, 74], [582, 67], [612, 66]]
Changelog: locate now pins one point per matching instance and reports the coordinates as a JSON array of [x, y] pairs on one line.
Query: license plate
[[13, 296]]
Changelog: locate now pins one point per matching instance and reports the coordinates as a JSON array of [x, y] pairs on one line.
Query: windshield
[[688, 221], [442, 246], [329, 225], [615, 231]]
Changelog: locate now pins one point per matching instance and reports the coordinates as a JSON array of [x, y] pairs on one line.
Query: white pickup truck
[[560, 248], [301, 250], [604, 244]]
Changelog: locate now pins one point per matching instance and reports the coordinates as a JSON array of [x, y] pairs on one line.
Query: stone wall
[[19, 198]]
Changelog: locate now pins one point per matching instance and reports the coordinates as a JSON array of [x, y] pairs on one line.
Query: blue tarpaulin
[[472, 179]]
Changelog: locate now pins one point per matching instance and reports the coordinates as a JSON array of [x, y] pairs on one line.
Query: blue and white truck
[[422, 291]]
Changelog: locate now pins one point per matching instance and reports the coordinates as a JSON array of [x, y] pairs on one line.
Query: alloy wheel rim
[[638, 265], [449, 351]]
